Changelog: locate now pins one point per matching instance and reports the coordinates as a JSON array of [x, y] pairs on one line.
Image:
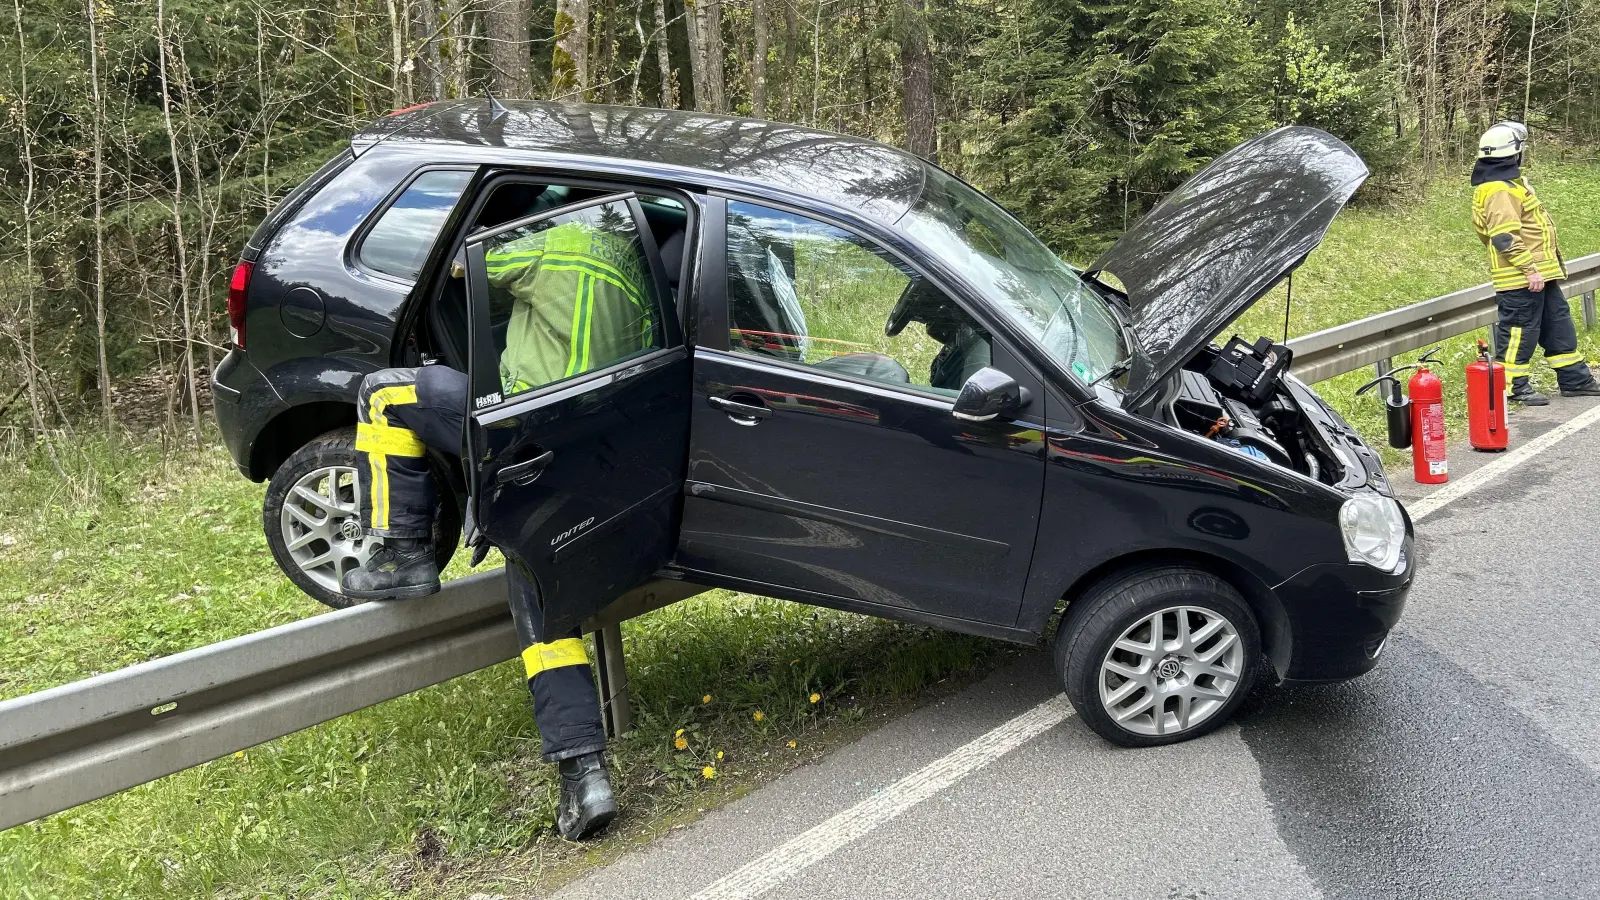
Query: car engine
[[1235, 395]]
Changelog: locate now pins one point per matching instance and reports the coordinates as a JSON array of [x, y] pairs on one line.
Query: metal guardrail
[[1365, 342], [81, 741]]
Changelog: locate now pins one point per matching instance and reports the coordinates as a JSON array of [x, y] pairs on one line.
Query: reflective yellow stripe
[[1562, 360], [1503, 229], [1513, 347], [390, 440], [577, 327], [382, 399], [554, 655]]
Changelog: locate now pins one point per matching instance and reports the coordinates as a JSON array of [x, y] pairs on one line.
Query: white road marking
[[773, 868], [1455, 490]]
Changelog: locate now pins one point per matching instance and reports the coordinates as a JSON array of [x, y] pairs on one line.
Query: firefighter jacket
[[1518, 233], [579, 299]]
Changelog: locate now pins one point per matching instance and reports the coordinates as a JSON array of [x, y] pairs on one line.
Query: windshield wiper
[[1117, 370]]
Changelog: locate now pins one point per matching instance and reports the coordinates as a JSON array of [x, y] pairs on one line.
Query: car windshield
[[1018, 273]]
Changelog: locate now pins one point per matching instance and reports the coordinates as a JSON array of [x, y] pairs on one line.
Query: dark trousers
[[402, 412], [1543, 319]]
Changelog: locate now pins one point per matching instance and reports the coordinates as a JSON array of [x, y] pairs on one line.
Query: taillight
[[236, 291]]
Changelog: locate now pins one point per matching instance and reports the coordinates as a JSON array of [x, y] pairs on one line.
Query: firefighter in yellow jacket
[[575, 296], [1526, 267]]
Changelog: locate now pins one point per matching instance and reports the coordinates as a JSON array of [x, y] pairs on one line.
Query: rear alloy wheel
[[1158, 655], [312, 518]]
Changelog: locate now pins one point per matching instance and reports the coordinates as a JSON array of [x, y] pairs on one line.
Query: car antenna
[[1288, 301], [496, 108]]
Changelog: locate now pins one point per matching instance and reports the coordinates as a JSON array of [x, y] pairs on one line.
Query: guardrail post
[[1383, 367], [1494, 342], [612, 668], [1588, 309]]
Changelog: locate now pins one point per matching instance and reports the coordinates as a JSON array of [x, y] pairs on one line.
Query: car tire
[[312, 517], [1133, 693]]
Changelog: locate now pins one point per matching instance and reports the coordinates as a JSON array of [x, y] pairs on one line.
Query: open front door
[[580, 394]]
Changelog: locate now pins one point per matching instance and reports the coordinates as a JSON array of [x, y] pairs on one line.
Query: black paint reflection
[[880, 181], [1224, 238]]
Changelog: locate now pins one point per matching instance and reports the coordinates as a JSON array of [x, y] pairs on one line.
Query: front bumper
[[1340, 615]]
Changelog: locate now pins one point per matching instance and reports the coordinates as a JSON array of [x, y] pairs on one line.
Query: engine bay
[[1235, 395]]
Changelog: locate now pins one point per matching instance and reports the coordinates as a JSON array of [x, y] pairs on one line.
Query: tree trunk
[[916, 72], [569, 67], [506, 27], [705, 53], [98, 122], [791, 57], [758, 63], [425, 28], [163, 52], [669, 96], [399, 74], [460, 49], [712, 33], [604, 78]]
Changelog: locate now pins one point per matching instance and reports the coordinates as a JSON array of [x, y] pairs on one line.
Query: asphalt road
[[1466, 765]]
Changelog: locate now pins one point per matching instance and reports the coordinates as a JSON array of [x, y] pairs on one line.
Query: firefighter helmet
[[1503, 140]]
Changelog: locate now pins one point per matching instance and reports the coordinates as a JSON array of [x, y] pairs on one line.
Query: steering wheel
[[900, 316]]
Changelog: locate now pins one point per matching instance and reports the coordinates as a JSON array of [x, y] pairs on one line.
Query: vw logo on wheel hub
[[1169, 668], [351, 529]]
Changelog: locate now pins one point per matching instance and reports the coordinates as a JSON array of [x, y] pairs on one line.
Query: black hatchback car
[[870, 389]]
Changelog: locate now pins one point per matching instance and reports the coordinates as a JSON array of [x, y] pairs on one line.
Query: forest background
[[144, 138]]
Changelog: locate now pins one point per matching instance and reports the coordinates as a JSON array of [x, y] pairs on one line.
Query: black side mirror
[[987, 395]]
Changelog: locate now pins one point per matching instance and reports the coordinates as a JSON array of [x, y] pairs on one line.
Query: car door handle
[[742, 413], [527, 471]]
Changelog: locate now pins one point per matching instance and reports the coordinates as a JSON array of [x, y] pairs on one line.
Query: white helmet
[[1502, 140]]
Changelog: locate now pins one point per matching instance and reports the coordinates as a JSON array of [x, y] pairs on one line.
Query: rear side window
[[400, 240]]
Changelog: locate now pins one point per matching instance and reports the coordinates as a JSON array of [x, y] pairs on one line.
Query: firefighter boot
[[587, 804], [401, 569], [1592, 389], [1522, 392]]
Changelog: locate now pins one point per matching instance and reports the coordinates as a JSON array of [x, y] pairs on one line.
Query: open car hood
[[1216, 245]]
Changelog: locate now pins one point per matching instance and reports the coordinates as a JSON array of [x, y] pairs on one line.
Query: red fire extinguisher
[[1486, 402], [1428, 462]]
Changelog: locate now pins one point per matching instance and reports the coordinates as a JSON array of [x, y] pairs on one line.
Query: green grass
[[140, 553]]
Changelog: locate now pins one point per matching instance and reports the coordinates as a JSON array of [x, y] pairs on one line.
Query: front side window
[[806, 292], [1024, 280], [401, 239], [570, 294]]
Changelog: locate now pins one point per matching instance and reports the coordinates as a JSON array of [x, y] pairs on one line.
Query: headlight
[[1374, 531]]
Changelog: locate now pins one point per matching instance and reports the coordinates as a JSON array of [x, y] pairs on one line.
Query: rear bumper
[[244, 401], [1340, 616]]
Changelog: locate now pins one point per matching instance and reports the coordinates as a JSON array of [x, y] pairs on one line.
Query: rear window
[[400, 240]]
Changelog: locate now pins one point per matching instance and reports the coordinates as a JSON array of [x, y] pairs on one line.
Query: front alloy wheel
[[1171, 670], [1157, 655]]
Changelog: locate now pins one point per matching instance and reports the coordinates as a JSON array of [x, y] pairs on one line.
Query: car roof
[[872, 178]]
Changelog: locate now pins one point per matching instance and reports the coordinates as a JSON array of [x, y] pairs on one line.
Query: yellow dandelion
[[719, 754], [239, 755], [759, 715], [679, 734], [706, 699], [793, 744], [815, 698], [681, 743], [709, 772]]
